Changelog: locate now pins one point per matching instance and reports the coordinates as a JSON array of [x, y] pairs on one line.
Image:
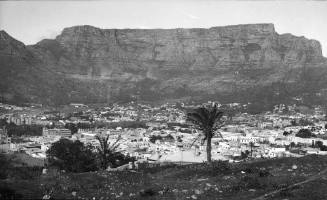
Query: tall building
[[4, 136], [20, 120]]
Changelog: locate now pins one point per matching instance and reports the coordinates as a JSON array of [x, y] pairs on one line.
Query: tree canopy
[[108, 154], [72, 156], [305, 133], [206, 119]]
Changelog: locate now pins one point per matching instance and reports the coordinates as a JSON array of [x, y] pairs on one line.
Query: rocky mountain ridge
[[249, 63]]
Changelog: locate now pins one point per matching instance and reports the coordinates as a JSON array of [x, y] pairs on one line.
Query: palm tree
[[106, 150], [206, 119]]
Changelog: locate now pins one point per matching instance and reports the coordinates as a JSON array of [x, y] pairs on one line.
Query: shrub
[[148, 192], [249, 182], [220, 166], [25, 172], [4, 166], [305, 133], [72, 156], [264, 173]]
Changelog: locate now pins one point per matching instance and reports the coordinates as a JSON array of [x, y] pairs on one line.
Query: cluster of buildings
[[166, 137], [19, 119]]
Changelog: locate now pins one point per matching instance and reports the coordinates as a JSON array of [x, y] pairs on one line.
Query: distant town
[[161, 134]]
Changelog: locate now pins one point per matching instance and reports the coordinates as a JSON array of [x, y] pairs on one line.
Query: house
[[56, 132], [309, 150]]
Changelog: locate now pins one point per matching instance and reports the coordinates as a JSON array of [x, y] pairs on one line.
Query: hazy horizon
[[39, 20]]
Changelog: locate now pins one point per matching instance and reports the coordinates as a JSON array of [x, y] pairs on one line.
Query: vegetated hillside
[[239, 63], [220, 181]]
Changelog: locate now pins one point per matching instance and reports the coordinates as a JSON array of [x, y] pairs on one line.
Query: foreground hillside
[[286, 178], [250, 63]]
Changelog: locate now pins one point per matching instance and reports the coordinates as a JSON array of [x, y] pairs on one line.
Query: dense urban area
[[161, 134]]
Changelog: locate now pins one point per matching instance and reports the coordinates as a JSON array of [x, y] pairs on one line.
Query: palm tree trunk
[[251, 144], [209, 149]]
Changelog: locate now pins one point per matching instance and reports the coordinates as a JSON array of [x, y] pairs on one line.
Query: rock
[[105, 64], [208, 184], [46, 197], [252, 190], [202, 179], [194, 197], [197, 191], [227, 177], [74, 193], [294, 167]]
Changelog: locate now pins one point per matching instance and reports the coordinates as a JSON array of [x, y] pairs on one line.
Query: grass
[[313, 190], [200, 181]]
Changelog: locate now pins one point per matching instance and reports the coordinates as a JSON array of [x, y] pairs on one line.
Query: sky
[[32, 21]]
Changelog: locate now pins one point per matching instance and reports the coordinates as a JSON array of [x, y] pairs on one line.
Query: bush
[[148, 192], [305, 133], [153, 138], [220, 166], [72, 156], [251, 182], [251, 170], [26, 173], [323, 148], [4, 166], [264, 173]]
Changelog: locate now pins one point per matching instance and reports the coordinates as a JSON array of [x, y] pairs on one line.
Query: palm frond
[[195, 140], [196, 120], [115, 145], [205, 119]]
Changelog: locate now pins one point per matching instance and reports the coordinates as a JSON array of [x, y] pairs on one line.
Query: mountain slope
[[233, 63]]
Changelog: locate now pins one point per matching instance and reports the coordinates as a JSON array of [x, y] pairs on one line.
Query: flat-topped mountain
[[249, 63]]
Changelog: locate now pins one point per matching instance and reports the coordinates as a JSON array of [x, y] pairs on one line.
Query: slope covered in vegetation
[[249, 180]]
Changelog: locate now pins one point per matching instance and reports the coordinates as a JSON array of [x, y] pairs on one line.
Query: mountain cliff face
[[232, 63]]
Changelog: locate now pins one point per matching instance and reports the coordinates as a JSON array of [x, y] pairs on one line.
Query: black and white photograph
[[163, 99]]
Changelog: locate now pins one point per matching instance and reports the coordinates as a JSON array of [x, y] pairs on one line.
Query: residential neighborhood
[[161, 134]]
